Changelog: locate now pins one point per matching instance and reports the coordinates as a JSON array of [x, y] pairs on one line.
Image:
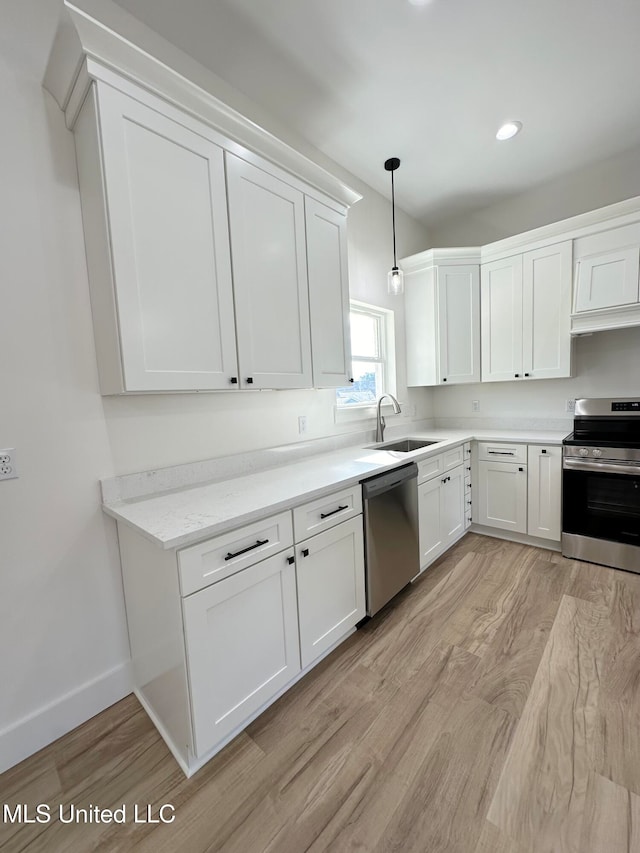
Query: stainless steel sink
[[403, 445]]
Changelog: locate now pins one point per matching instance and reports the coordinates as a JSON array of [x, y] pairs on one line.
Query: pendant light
[[395, 279]]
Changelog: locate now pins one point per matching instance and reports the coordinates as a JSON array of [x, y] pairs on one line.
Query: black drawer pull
[[259, 542], [527, 374], [249, 380], [333, 511], [517, 375], [469, 502], [291, 560], [305, 552], [234, 380], [520, 469], [543, 451]]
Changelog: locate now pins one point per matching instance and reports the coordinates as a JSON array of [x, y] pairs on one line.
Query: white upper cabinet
[[501, 301], [605, 281], [156, 232], [526, 315], [268, 248], [606, 290], [328, 294], [546, 307], [442, 317]]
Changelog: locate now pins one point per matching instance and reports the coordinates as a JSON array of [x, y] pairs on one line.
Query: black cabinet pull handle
[[234, 380], [351, 379], [520, 469], [469, 502], [259, 542], [543, 451], [468, 467], [527, 374], [249, 380], [333, 511], [305, 552], [444, 379], [291, 560], [517, 375]]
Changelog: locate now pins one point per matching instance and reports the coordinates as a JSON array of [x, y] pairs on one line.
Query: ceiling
[[364, 80]]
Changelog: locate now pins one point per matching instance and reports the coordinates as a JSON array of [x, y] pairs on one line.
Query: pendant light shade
[[395, 279]]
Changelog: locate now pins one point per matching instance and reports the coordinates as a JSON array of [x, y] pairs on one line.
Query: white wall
[[62, 624], [606, 182]]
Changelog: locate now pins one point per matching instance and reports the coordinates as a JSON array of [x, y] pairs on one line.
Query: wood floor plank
[[611, 819], [509, 666], [591, 582], [447, 799], [541, 796], [493, 841], [618, 736]]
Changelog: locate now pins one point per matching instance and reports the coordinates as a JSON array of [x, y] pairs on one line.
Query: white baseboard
[[32, 733]]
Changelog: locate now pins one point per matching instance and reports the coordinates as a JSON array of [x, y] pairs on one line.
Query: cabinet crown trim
[[435, 257], [96, 33], [582, 225]]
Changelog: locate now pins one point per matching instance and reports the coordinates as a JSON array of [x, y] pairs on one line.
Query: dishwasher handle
[[385, 482]]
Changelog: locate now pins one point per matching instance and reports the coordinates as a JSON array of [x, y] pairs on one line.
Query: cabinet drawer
[[217, 558], [453, 458], [467, 484], [467, 519], [321, 514], [499, 452], [429, 468]]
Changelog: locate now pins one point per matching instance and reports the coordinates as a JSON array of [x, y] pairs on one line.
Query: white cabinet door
[[458, 289], [502, 495], [452, 499], [430, 520], [501, 313], [165, 211], [241, 637], [545, 488], [331, 591], [607, 280], [266, 221], [546, 321], [328, 295]]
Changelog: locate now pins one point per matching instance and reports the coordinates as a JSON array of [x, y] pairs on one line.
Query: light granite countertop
[[181, 517]]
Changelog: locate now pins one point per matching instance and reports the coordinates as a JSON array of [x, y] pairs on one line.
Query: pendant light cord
[[393, 219]]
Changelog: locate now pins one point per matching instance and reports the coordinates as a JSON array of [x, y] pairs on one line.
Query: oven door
[[601, 500]]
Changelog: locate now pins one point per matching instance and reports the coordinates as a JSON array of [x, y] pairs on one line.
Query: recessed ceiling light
[[508, 130]]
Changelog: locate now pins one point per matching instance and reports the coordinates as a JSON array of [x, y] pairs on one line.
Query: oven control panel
[[625, 406]]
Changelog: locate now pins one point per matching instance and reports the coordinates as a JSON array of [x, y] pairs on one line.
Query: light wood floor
[[494, 707]]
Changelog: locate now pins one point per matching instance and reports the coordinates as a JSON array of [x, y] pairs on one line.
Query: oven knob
[[597, 452], [583, 451]]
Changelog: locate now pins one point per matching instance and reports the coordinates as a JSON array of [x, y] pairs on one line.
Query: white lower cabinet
[[502, 498], [241, 638], [331, 589], [545, 491], [521, 495], [441, 504]]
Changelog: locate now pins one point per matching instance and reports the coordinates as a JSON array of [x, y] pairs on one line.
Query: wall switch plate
[[475, 405], [8, 464], [571, 406], [302, 424]]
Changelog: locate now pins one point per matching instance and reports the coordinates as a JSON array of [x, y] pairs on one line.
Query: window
[[371, 356]]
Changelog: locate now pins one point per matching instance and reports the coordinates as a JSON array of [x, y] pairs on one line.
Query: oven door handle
[[630, 468]]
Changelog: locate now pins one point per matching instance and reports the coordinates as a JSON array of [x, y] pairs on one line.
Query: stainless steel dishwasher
[[391, 533]]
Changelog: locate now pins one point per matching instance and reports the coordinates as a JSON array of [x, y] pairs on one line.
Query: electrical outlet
[[475, 405], [302, 424], [8, 464], [571, 406]]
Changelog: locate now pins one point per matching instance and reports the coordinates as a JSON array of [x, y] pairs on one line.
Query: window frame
[[386, 340]]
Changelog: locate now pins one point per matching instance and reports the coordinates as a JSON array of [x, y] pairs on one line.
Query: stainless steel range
[[601, 484]]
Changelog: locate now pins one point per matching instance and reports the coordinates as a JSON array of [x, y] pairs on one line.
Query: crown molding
[[95, 34], [441, 257]]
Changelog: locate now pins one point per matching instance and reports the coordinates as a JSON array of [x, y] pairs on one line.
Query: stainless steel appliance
[[391, 534], [601, 484]]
